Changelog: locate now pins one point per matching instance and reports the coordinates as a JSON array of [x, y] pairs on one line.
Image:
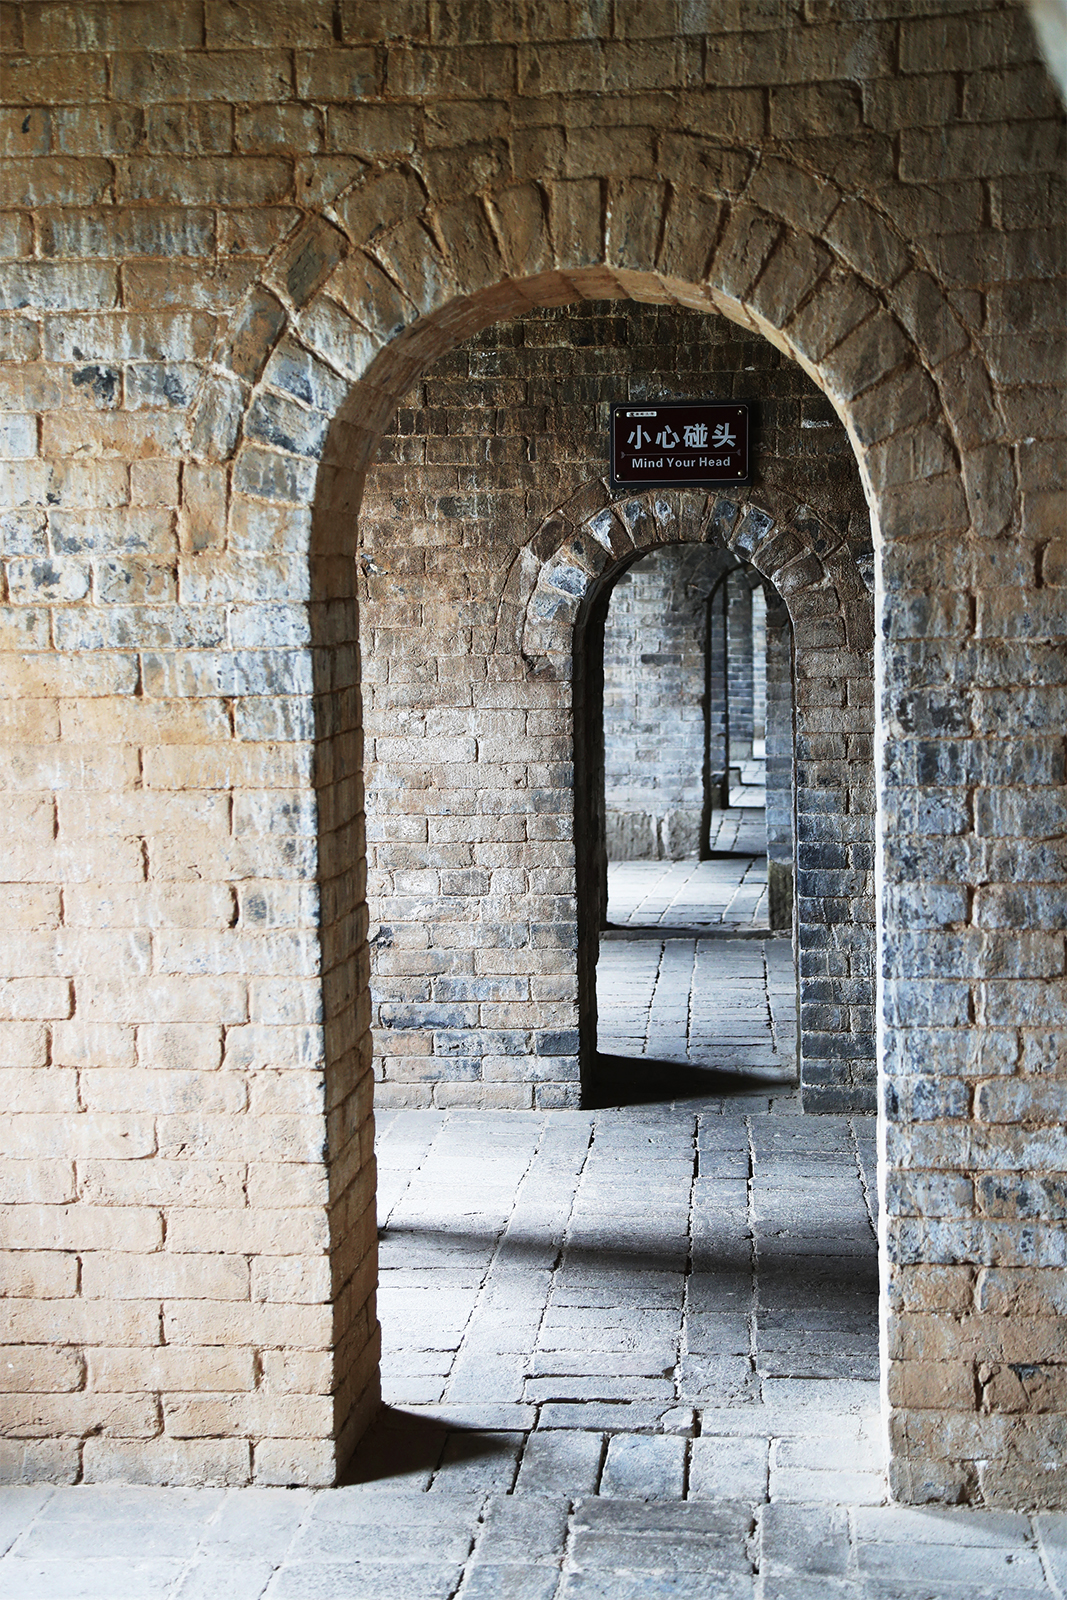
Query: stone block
[[192, 1463], [333, 74], [371, 130], [39, 1461]]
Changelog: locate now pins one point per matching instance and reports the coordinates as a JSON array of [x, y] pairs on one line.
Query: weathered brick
[[30, 80], [234, 180], [104, 130], [240, 76], [57, 286], [135, 309]]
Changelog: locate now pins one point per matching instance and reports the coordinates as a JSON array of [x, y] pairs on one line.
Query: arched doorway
[[454, 721], [830, 611], [696, 1000], [816, 311]]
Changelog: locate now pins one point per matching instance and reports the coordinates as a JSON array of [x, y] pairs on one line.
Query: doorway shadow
[[643, 1080], [409, 1449]]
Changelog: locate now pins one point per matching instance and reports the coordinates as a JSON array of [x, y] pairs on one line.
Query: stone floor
[[629, 1353], [718, 1005], [728, 891]]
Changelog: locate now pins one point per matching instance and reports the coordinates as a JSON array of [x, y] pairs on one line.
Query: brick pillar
[[759, 664], [779, 734], [741, 683]]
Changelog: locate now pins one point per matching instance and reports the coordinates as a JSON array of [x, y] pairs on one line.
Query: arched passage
[[339, 321], [684, 698], [492, 470], [830, 611]]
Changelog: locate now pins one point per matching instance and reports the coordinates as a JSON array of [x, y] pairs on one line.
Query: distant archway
[[553, 614]]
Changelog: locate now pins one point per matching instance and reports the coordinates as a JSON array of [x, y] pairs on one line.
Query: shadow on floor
[[401, 1445], [616, 931], [793, 1262], [641, 1081]]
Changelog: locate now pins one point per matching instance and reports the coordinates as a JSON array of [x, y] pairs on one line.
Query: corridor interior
[[618, 1340], [629, 1350], [667, 1298]]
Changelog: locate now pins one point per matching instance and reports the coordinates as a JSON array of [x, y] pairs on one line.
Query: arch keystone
[[689, 236], [522, 222], [722, 515], [748, 534], [634, 218]]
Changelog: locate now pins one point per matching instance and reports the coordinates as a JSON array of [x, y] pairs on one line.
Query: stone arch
[[791, 547], [366, 294], [372, 289], [556, 581]]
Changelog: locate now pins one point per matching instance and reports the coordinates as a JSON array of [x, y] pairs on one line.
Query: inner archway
[[474, 615], [696, 1000], [685, 696]]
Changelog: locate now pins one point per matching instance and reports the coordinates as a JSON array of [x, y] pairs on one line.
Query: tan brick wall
[[880, 194]]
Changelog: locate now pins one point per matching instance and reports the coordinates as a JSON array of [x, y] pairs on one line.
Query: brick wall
[[233, 239], [655, 650], [780, 808]]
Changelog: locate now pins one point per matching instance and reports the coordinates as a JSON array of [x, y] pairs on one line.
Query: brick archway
[[364, 297], [267, 220], [379, 284], [831, 283], [791, 546], [557, 578]]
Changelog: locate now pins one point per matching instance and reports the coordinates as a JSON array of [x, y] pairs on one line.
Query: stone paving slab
[[728, 891], [92, 1577], [696, 1021]]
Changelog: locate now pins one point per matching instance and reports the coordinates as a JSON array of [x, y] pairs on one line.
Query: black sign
[[678, 442]]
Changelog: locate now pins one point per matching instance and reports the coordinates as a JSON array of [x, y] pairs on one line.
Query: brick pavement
[[628, 1353], [728, 891]]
